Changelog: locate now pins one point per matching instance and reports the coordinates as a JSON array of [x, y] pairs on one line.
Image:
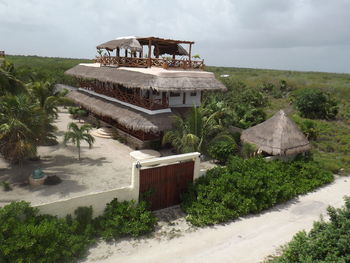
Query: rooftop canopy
[[164, 46], [278, 135]]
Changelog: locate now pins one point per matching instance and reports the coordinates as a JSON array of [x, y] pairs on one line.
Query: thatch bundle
[[278, 135], [129, 118], [169, 81]]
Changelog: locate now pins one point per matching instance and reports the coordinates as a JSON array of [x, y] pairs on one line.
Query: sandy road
[[250, 239]]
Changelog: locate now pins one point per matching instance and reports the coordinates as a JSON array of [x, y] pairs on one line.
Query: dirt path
[[250, 239]]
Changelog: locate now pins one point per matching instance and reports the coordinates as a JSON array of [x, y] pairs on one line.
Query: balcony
[[131, 96], [150, 62]]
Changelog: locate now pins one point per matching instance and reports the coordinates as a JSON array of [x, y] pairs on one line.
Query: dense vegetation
[[330, 138], [26, 236], [249, 186], [36, 68], [327, 242]]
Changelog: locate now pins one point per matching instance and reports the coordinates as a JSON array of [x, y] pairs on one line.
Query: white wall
[[190, 100], [99, 200]]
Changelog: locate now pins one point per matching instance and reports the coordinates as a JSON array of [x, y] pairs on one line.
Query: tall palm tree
[[76, 134], [21, 127], [192, 133]]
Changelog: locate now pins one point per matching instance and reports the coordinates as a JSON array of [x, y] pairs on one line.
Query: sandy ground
[[250, 239], [106, 166]]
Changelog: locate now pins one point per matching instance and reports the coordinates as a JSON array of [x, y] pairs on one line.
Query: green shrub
[[249, 186], [327, 242], [125, 219], [315, 104], [26, 236], [222, 148], [248, 150], [308, 127]]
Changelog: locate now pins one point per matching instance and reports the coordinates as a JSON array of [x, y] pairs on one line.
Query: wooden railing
[[135, 99], [153, 62]]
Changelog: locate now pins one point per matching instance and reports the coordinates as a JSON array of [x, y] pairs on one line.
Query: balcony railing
[[153, 62], [135, 99]]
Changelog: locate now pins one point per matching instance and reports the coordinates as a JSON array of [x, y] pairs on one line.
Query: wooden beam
[[189, 53], [149, 52]]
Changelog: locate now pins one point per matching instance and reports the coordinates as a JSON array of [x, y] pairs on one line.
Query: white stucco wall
[[189, 102], [99, 200]]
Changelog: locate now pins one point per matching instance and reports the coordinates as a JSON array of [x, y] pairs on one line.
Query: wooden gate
[[166, 183]]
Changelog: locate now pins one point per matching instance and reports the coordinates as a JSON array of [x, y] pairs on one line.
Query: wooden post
[[149, 53], [189, 55], [118, 52], [126, 53]]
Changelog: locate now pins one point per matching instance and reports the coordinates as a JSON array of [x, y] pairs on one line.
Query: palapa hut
[[138, 94], [278, 135]]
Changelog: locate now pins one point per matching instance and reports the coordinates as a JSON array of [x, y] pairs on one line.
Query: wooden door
[[166, 183]]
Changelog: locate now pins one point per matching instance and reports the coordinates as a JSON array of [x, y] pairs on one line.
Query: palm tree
[[192, 133], [9, 84], [75, 134], [48, 99], [21, 127]]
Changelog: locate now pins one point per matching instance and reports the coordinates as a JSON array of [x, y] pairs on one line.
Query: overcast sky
[[312, 35]]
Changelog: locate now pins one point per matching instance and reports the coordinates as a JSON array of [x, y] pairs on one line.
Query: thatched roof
[[158, 79], [165, 46], [278, 135], [127, 117], [123, 42]]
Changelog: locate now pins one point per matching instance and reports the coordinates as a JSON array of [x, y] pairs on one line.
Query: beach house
[[136, 85]]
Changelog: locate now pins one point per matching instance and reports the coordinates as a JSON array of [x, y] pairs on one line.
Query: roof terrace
[[146, 52]]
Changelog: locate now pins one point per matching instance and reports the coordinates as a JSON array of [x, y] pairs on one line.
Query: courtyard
[[107, 165]]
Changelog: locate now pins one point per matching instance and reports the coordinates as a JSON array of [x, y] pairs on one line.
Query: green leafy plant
[[125, 219], [315, 104], [222, 147], [249, 186], [26, 236], [326, 242], [6, 186]]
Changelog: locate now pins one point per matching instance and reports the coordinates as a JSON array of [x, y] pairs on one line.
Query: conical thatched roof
[[278, 135]]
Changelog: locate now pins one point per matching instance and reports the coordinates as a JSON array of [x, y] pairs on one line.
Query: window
[[193, 93], [174, 94]]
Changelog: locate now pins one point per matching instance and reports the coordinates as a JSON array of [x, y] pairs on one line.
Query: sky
[[305, 35]]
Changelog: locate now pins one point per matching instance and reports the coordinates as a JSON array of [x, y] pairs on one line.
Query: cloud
[[223, 29]]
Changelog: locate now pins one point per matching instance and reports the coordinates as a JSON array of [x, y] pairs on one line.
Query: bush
[[315, 104], [125, 219], [326, 242], [308, 127], [249, 186], [26, 236], [222, 148]]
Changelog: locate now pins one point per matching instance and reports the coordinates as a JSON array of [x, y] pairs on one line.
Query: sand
[[247, 240], [106, 166]]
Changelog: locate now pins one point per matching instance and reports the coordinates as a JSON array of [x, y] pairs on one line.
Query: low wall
[[99, 200]]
